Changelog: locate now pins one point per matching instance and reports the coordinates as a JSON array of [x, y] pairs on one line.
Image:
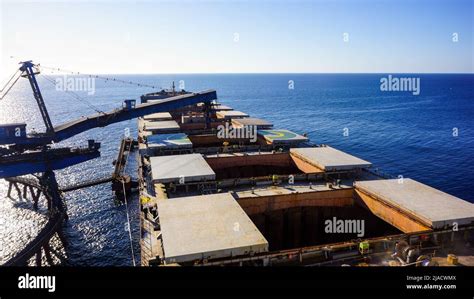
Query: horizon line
[[276, 73]]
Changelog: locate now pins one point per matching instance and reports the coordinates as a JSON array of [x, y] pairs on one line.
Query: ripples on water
[[400, 133]]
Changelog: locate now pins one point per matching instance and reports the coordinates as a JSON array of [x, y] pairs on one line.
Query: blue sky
[[240, 36]]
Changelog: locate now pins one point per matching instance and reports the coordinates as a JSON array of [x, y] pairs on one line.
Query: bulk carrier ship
[[220, 187]]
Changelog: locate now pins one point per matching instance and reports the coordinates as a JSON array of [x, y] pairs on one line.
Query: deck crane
[[22, 153]]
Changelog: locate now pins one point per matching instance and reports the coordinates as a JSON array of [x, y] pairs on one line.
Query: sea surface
[[428, 137]]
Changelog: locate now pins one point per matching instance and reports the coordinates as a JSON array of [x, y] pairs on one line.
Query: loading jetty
[[28, 161]]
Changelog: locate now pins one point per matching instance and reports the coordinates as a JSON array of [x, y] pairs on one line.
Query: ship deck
[[280, 189]]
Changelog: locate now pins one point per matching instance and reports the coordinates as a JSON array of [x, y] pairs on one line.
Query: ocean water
[[428, 137]]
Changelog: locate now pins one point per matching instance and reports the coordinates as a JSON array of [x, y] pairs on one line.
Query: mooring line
[[126, 207]]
